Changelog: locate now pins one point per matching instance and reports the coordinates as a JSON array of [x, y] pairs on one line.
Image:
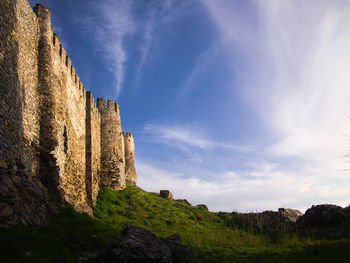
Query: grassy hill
[[211, 237]]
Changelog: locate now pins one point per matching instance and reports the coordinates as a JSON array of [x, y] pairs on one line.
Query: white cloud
[[263, 188]]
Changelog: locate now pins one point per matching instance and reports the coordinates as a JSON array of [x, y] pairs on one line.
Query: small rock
[[28, 253], [166, 194]]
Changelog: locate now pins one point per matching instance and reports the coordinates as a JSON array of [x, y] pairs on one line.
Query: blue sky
[[241, 105]]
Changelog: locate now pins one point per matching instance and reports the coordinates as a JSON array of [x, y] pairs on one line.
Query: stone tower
[[112, 146], [129, 148]]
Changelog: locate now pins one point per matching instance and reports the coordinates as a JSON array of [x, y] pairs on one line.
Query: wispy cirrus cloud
[[293, 69], [112, 22], [185, 136], [109, 24], [201, 64], [159, 15]]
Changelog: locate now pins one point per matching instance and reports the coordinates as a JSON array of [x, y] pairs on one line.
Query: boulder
[[166, 194], [142, 246]]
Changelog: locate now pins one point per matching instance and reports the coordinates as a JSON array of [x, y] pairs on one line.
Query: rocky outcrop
[[140, 245]]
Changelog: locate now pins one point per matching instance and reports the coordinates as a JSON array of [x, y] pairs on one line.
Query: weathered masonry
[[55, 142]]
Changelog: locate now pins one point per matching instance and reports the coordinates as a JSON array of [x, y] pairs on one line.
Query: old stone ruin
[[56, 144]]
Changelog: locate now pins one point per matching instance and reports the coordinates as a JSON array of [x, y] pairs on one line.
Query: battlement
[[101, 103], [111, 105], [41, 10], [127, 134], [94, 107], [68, 62], [55, 40], [64, 59]]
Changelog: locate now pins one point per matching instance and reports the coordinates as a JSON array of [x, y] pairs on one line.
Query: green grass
[[211, 237]]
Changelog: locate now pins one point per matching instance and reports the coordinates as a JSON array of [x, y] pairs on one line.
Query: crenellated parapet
[[63, 62]]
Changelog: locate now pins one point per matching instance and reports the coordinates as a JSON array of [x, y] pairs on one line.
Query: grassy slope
[[205, 234]]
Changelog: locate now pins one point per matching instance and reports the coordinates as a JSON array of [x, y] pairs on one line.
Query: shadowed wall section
[[22, 197]]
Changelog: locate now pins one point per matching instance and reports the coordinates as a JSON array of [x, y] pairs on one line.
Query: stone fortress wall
[[55, 142]]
